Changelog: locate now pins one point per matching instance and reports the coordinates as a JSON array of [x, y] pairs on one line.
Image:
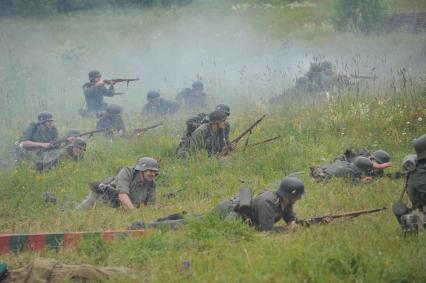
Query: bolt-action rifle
[[264, 141], [327, 217], [227, 148], [143, 130], [120, 81], [90, 133]]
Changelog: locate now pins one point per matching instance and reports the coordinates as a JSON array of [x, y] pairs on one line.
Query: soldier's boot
[[420, 220], [88, 202]]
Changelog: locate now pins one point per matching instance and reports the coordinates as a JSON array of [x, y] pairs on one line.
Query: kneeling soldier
[[131, 187], [38, 137]]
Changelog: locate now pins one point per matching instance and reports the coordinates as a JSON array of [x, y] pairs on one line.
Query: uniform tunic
[[266, 210], [111, 122], [166, 107], [417, 185], [126, 181], [204, 138], [341, 168], [35, 132], [94, 96]]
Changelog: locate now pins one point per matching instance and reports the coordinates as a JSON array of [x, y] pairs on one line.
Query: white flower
[[419, 119]]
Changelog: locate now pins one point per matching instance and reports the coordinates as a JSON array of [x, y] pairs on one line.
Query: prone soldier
[[131, 187], [268, 207], [357, 170], [111, 120], [159, 106], [194, 97]]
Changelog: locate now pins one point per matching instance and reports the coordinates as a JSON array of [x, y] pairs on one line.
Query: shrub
[[358, 15]]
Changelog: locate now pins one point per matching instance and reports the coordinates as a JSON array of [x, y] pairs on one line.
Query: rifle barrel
[[320, 219], [237, 139], [264, 141], [357, 213], [137, 131]]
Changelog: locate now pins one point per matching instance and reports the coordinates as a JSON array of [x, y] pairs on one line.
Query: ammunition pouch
[[413, 222], [107, 190], [409, 162], [399, 209]]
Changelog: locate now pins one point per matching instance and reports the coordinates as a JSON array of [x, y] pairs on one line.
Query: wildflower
[[408, 122], [419, 119]]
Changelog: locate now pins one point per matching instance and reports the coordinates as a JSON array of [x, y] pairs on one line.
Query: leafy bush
[[359, 15], [36, 7]]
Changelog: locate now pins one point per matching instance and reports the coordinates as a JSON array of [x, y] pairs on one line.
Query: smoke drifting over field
[[45, 61]]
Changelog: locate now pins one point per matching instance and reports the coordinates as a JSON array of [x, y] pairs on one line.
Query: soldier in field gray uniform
[[210, 136], [355, 171], [194, 122], [262, 212], [193, 98], [38, 137], [159, 106], [268, 207], [416, 180], [74, 151], [111, 120], [132, 187], [94, 92]]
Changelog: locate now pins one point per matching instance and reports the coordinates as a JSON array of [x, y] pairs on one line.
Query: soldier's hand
[[368, 179], [327, 220], [292, 226], [47, 145]]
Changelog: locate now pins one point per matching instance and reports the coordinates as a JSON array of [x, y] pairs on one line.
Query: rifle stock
[[322, 218], [264, 141], [226, 149]]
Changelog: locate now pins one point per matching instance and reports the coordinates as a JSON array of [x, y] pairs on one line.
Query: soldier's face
[[48, 124], [78, 152], [197, 91], [71, 139], [221, 124], [155, 101], [97, 79], [291, 200], [149, 175]]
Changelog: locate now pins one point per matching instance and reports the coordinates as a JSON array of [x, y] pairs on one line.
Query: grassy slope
[[367, 249]]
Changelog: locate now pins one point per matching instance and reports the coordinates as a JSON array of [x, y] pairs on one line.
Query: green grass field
[[387, 113]]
